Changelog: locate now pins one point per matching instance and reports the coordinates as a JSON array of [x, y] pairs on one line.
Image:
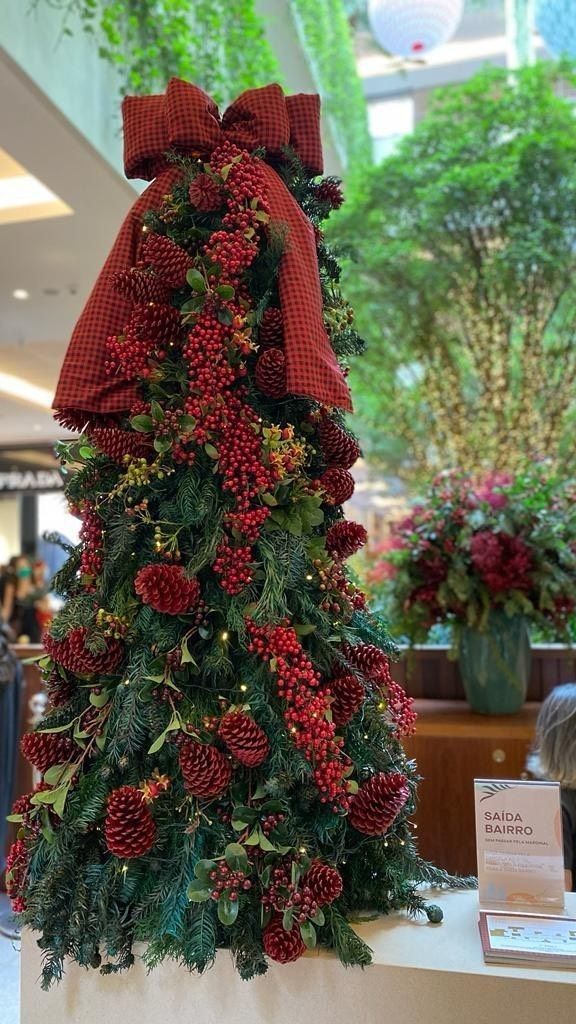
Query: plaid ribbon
[[185, 119]]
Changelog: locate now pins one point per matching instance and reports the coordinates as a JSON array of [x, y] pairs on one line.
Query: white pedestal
[[422, 974]]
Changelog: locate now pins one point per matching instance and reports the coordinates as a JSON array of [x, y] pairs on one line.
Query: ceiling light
[[23, 197], [20, 293], [17, 387]]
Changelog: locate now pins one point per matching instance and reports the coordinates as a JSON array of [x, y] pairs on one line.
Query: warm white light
[[24, 190], [20, 293], [17, 387]]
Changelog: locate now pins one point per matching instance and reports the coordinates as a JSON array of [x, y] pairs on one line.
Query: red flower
[[503, 562]]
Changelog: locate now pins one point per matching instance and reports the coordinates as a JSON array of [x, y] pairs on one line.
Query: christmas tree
[[221, 756]]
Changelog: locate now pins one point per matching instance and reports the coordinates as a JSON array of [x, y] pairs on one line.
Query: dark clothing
[[568, 803]]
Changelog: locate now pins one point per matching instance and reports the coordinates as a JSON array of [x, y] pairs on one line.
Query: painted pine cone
[[138, 285], [205, 770], [378, 802], [129, 828], [166, 589], [153, 322], [280, 945], [205, 194], [338, 485], [370, 661], [271, 332], [116, 443], [169, 260], [324, 881], [73, 654], [348, 694], [270, 374], [43, 749], [60, 691], [344, 539], [244, 738], [16, 869], [338, 448], [329, 191]]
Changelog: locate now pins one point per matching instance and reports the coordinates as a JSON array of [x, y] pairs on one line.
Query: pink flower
[[503, 562], [486, 489]]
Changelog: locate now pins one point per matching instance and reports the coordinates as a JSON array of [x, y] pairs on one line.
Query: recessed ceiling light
[[20, 293], [17, 387]]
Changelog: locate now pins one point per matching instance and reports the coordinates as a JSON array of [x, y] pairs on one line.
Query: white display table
[[422, 974]]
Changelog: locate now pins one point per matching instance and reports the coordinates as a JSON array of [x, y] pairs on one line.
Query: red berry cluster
[[245, 179], [91, 537], [234, 566], [248, 523], [307, 705], [232, 251], [16, 871], [228, 882], [209, 371], [270, 822], [244, 474], [282, 894]]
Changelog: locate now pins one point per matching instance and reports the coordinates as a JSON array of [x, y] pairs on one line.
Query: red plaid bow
[[187, 120]]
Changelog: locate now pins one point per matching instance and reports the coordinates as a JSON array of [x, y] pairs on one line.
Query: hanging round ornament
[[412, 28], [556, 23]]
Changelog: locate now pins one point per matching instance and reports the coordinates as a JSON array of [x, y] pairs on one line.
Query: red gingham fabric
[[187, 120]]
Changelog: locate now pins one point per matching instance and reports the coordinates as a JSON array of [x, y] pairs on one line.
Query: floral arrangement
[[472, 545]]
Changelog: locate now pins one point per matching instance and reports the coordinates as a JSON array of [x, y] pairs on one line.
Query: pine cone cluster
[[324, 881], [370, 661], [153, 322], [280, 945], [338, 447], [348, 694], [166, 588], [270, 373], [73, 654], [116, 443], [129, 828], [345, 538], [338, 485], [43, 749], [169, 260], [205, 193], [271, 331], [139, 285], [244, 738], [205, 770], [378, 802]]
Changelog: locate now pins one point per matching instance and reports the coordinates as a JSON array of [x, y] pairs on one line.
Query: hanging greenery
[[218, 44]]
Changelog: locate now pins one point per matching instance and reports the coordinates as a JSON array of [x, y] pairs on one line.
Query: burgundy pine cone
[[348, 694], [338, 485], [338, 448], [16, 869], [138, 285], [270, 374], [271, 330], [169, 260], [205, 194], [129, 828], [60, 691], [153, 322], [205, 770], [280, 945], [378, 802], [244, 738], [324, 881], [166, 588], [73, 654], [345, 538], [43, 749], [116, 443], [370, 661], [329, 191]]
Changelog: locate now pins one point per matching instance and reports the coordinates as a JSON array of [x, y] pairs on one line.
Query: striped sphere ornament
[[413, 28], [556, 23]]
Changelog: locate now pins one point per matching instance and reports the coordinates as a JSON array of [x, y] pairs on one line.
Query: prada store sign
[[29, 470]]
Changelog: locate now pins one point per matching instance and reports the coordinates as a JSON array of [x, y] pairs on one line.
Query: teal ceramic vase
[[495, 664]]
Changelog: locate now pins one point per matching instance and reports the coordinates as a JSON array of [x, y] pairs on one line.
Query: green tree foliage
[[463, 278]]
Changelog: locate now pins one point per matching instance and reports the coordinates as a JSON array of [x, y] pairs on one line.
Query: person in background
[[25, 600], [554, 757]]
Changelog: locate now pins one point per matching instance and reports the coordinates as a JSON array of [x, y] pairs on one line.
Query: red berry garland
[[129, 828], [166, 588], [344, 539], [91, 536], [378, 802], [169, 260], [73, 654], [233, 566], [205, 770], [325, 882], [43, 749], [348, 694], [244, 738], [338, 485], [280, 945], [270, 373]]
